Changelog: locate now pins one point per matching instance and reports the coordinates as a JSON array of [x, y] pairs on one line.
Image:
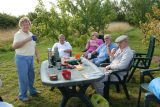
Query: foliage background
[[76, 19]]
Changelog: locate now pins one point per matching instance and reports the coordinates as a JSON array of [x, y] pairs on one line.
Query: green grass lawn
[[48, 98]]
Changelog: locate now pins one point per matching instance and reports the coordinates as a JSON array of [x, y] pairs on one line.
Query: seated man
[[120, 60], [92, 44], [64, 48], [102, 50]]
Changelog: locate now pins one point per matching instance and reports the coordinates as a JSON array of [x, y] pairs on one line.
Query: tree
[[135, 10], [7, 21], [90, 13], [152, 25], [74, 19]]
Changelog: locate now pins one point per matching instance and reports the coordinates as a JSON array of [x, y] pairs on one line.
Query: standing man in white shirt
[[120, 60], [64, 48], [25, 48]]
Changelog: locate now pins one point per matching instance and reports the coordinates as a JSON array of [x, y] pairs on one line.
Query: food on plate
[[79, 67]]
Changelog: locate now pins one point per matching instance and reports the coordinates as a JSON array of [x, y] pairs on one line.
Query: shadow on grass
[[38, 101]]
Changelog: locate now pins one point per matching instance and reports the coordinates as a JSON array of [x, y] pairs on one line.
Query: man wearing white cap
[[120, 60]]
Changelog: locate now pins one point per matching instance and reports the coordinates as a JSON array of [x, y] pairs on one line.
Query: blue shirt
[[102, 51]]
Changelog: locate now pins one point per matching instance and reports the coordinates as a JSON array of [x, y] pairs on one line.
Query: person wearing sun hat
[[119, 60]]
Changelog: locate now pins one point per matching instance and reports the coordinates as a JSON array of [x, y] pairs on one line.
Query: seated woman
[[92, 44], [64, 48]]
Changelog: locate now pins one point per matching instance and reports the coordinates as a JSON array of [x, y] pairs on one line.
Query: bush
[[152, 25], [7, 21], [79, 41]]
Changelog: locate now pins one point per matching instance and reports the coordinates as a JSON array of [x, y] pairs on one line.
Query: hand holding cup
[[34, 37]]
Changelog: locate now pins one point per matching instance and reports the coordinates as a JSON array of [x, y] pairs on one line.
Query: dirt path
[[156, 59], [7, 35]]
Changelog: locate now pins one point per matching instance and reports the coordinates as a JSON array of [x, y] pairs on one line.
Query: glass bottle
[[56, 54], [50, 57]]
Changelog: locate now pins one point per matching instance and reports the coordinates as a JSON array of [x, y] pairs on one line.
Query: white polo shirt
[[61, 48], [27, 49]]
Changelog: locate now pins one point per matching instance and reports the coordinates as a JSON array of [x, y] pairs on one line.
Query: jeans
[[96, 61], [99, 85], [25, 75]]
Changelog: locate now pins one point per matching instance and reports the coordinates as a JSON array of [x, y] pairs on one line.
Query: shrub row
[[7, 21]]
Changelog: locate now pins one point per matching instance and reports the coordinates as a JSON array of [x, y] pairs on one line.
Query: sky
[[21, 7]]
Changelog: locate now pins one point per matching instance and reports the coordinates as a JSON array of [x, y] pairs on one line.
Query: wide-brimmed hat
[[121, 38]]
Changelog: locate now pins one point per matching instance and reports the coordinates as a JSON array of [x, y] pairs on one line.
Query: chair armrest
[[140, 54], [104, 64], [143, 61], [142, 58], [115, 72], [147, 72]]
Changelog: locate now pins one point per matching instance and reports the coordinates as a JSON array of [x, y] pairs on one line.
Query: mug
[[89, 55], [66, 74], [34, 37]]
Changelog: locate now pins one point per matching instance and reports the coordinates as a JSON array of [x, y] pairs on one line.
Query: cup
[[66, 74], [53, 77], [77, 56], [59, 65], [89, 55], [34, 37]]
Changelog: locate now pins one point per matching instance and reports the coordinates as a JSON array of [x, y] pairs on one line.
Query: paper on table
[[92, 74]]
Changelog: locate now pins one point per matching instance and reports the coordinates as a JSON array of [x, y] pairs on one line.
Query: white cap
[[121, 38]]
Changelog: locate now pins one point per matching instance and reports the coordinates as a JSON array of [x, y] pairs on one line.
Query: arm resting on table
[[140, 54], [104, 64]]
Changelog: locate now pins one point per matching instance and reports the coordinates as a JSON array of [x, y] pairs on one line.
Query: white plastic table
[[91, 73]]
